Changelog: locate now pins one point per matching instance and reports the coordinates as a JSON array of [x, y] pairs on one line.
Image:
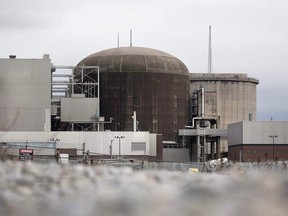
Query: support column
[[218, 148], [212, 149], [198, 149], [204, 148], [194, 148]]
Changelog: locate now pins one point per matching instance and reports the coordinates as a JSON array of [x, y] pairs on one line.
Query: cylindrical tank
[[151, 82]]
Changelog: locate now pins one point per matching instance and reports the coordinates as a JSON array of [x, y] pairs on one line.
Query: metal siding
[[79, 109], [25, 93], [138, 146], [235, 134], [22, 119], [258, 132]]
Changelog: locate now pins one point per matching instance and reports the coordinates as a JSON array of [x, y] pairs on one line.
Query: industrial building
[[39, 102], [143, 94], [258, 141]]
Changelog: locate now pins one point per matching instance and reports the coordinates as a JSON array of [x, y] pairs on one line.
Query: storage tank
[[153, 83]]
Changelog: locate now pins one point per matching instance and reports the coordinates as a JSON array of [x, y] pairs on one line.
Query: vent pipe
[[46, 56], [202, 109]]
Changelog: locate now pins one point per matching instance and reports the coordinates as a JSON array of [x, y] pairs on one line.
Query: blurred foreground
[[55, 189]]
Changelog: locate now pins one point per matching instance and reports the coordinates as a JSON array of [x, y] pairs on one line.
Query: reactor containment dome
[[151, 82]]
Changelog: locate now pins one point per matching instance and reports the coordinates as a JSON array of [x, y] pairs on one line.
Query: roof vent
[[46, 56], [12, 56]]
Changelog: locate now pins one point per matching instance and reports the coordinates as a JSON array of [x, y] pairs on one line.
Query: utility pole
[[54, 140]]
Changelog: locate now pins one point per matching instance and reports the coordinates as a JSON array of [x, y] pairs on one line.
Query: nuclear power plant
[[122, 102]]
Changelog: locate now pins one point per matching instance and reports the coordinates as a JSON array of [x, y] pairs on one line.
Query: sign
[[193, 170], [64, 158], [25, 154]]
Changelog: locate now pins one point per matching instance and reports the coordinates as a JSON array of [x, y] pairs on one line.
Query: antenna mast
[[210, 53], [130, 37], [118, 40]]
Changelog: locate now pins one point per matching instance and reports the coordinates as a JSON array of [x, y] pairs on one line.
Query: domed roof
[[135, 59]]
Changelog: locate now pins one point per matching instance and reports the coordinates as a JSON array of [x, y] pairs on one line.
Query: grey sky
[[249, 36]]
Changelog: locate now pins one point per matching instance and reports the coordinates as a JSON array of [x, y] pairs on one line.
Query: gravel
[[54, 189]]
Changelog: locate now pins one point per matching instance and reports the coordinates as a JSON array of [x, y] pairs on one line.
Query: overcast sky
[[248, 36]]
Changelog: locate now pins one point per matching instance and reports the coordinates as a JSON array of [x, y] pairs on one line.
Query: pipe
[[203, 101], [134, 121], [202, 111], [106, 122]]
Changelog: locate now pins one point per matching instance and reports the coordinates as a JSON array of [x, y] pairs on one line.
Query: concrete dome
[[153, 83], [135, 59]]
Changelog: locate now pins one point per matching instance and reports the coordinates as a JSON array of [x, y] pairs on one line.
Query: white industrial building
[[129, 144], [258, 141]]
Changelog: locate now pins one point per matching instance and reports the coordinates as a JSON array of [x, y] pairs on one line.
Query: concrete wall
[[25, 94], [96, 142]]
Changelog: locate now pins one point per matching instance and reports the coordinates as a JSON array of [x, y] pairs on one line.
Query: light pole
[[55, 140], [273, 142], [119, 137]]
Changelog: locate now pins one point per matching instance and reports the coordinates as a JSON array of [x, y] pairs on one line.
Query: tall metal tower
[[210, 68], [130, 37]]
